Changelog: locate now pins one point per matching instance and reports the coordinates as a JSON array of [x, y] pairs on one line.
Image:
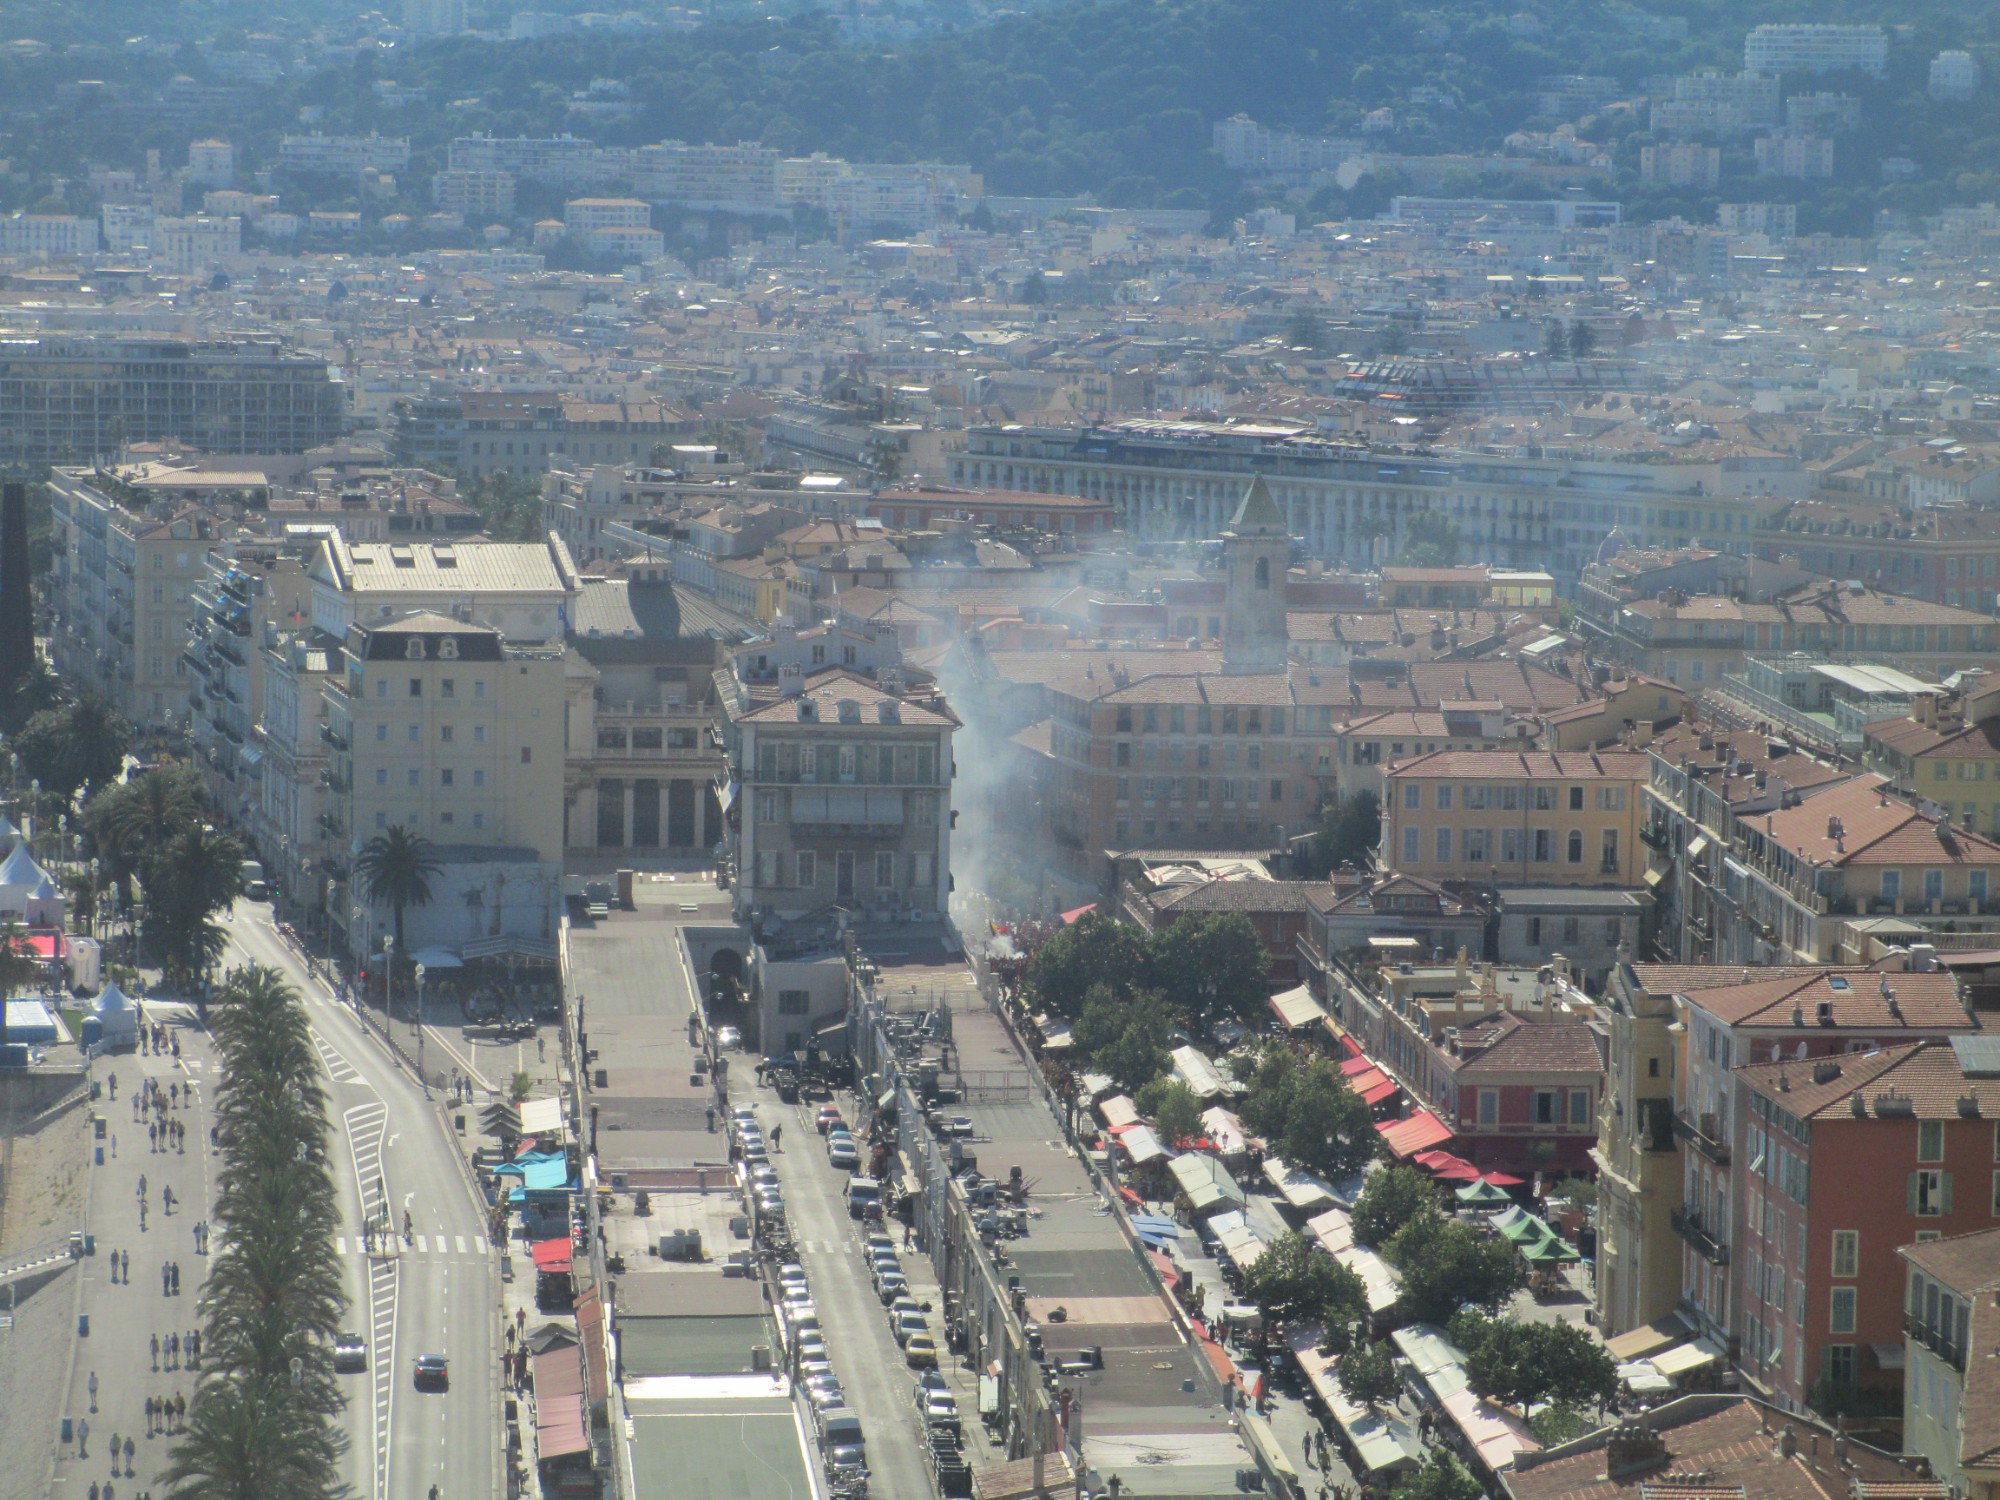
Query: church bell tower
[[1256, 550]]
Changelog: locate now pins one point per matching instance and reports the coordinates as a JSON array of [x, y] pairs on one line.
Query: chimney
[[1632, 1448]]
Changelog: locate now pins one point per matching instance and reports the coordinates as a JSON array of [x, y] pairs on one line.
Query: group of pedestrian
[[174, 1347], [154, 1038], [166, 1415], [120, 1262], [201, 1237], [167, 1135], [170, 1278], [128, 1451], [109, 1492]]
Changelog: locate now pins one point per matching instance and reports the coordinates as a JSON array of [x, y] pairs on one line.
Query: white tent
[[118, 1017], [28, 893]]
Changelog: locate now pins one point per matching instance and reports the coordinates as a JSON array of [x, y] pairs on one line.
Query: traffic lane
[[445, 1302], [868, 1361]]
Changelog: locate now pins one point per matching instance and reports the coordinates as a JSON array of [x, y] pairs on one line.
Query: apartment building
[[247, 592], [450, 730], [1794, 153], [476, 192], [1862, 1157], [1951, 1301], [842, 797], [1810, 48], [1637, 1155], [1527, 817], [581, 216], [1946, 556], [343, 155], [51, 236], [1365, 747], [121, 593], [1945, 755], [1681, 164], [302, 806], [526, 433], [1350, 502], [741, 178], [1737, 1159], [196, 242], [525, 590], [68, 398], [643, 761], [566, 162]]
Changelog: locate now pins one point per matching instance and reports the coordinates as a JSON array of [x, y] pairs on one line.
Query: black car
[[350, 1353], [432, 1372]]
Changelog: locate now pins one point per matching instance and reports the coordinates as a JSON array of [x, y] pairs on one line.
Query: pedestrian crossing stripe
[[444, 1245]]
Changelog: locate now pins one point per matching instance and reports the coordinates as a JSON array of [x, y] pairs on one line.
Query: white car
[[793, 1274], [910, 1325], [890, 1285], [941, 1406], [842, 1156]]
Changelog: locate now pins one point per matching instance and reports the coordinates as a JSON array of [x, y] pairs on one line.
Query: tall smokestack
[[17, 615]]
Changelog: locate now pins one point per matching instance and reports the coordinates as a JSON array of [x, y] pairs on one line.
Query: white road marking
[[421, 1245], [461, 1244], [340, 1244]]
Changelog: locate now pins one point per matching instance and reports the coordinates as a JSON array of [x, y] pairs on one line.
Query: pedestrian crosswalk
[[453, 1245]]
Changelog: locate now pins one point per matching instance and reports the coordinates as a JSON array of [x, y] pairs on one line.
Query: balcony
[[1705, 1135], [1937, 1340], [1657, 836], [333, 737], [1688, 1225]]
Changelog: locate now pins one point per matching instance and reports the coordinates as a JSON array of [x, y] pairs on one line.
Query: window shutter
[[1912, 1194], [1944, 1198]]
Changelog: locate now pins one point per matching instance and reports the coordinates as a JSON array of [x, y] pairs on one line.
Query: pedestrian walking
[[111, 1260], [125, 1266], [153, 1138], [83, 1437], [777, 1137], [93, 1490], [93, 1390], [130, 1451], [173, 1351], [115, 1451], [114, 1146], [135, 1109], [156, 1353], [180, 1409], [177, 1277]]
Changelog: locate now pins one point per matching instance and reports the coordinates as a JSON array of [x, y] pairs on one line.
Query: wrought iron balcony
[[1688, 1225], [1705, 1135]]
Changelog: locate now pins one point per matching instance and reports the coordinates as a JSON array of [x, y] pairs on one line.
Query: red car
[[828, 1117]]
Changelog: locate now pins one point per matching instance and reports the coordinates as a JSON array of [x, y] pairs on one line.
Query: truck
[[864, 1198], [250, 875], [840, 1441]]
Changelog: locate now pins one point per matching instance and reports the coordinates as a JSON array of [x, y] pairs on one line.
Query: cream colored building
[[1531, 817], [1637, 1157], [448, 730]]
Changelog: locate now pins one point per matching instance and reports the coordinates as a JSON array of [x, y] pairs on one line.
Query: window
[[1847, 1253], [1929, 1193], [381, 687], [478, 688], [412, 732], [885, 869], [479, 780], [444, 733], [448, 687], [1576, 799], [1576, 846], [479, 820], [794, 1002], [1534, 932], [416, 687], [1545, 799], [1478, 844], [381, 820], [808, 867], [381, 776], [1930, 1140], [1545, 846], [1933, 885], [527, 755], [1611, 799], [1548, 1107], [445, 777], [1510, 846], [381, 734], [1489, 1106], [1609, 861], [413, 775], [478, 734], [1837, 1362], [1443, 845], [1841, 1309], [1579, 1106], [1413, 796], [1410, 837], [1444, 797], [1975, 884], [1892, 884]]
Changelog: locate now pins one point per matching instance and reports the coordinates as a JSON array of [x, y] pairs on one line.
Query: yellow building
[[1516, 817], [1947, 753], [1637, 1158]]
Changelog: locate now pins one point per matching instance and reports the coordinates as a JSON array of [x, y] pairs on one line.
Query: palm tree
[[134, 819], [187, 883], [396, 866], [247, 1440]]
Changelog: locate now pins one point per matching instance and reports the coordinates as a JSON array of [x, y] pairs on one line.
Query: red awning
[[1351, 1047], [552, 1255], [1081, 911], [559, 1429], [1131, 1197], [1503, 1179], [1419, 1132], [1356, 1064], [1386, 1089], [1446, 1167], [1169, 1273], [1219, 1361]]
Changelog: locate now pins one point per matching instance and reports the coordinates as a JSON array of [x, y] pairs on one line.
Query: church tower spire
[[1256, 550]]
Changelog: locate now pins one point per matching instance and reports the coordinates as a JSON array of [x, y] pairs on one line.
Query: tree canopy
[[1296, 1281], [1124, 1034], [1447, 1265], [1522, 1364], [1390, 1198], [1307, 1114]]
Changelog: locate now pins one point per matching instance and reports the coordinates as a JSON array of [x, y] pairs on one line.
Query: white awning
[[541, 1117]]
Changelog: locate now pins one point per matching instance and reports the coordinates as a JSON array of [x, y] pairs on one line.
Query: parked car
[[920, 1352], [908, 1325], [927, 1382], [842, 1156], [890, 1285], [941, 1406], [727, 1038], [828, 1117]]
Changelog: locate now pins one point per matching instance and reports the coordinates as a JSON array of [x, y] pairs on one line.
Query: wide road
[[437, 1294]]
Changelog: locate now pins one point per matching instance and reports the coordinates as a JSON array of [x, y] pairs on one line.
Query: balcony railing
[[1656, 836], [1704, 1135], [1935, 1339], [1687, 1223]]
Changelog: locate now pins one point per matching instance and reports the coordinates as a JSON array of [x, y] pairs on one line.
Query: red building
[[1520, 1095], [1842, 1161]]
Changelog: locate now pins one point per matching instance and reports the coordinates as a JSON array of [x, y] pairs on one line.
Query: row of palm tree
[[262, 1422]]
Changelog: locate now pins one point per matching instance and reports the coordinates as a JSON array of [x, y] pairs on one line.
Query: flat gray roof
[[751, 1451]]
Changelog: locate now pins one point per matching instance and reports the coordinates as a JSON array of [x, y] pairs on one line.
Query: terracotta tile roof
[[1922, 1081], [1979, 741], [1246, 896], [1964, 1262], [1874, 829], [1504, 1043], [1532, 765], [1722, 1439], [1686, 979], [1924, 1003]]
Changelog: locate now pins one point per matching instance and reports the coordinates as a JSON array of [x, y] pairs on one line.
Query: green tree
[[1305, 330], [1125, 1035], [130, 821], [1430, 540], [1555, 342], [1211, 967], [1390, 1199], [72, 746], [1348, 834], [509, 505], [1308, 1114], [1367, 1374], [1095, 949], [1441, 1477], [1447, 1265], [397, 866], [1582, 340], [885, 461], [1523, 1364], [1035, 290], [1556, 1423], [1173, 1109], [1294, 1281], [187, 881]]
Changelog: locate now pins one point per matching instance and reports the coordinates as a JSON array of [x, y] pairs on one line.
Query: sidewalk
[[123, 1319]]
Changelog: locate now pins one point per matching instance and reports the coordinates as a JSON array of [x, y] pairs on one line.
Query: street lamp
[[388, 977], [422, 1077]]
